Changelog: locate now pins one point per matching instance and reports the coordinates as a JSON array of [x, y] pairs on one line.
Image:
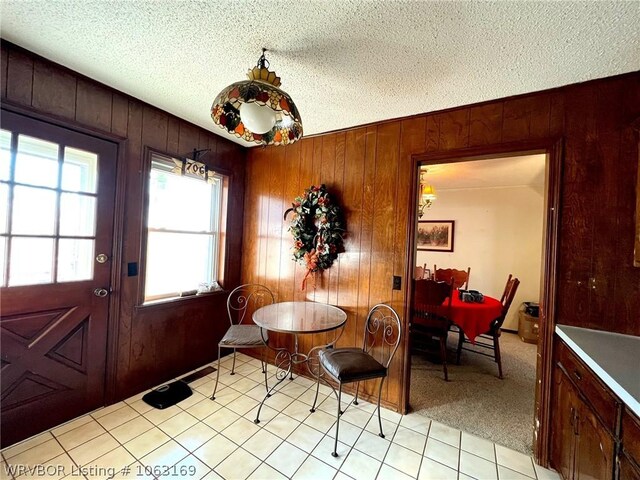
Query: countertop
[[614, 358]]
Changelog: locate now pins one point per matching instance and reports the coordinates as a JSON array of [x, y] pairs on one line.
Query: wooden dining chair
[[242, 302], [382, 332], [460, 277], [420, 272], [431, 316], [490, 340]]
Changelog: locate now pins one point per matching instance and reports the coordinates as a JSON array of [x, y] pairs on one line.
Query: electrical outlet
[[397, 282]]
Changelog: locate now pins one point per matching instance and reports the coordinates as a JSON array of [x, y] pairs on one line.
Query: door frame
[[113, 316], [553, 149]]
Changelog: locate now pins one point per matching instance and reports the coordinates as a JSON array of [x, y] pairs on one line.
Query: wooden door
[[594, 457], [562, 434], [57, 193]]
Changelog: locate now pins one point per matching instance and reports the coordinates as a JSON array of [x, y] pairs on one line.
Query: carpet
[[475, 400]]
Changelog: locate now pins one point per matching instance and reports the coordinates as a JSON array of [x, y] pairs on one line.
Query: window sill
[[176, 302]]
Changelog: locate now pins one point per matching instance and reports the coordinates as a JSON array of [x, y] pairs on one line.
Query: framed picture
[[435, 235]]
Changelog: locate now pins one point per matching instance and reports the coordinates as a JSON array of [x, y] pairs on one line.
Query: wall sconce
[[427, 194]]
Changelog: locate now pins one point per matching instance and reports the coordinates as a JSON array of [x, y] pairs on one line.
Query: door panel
[[53, 328]]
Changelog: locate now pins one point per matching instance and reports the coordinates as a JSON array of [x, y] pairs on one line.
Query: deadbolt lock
[[102, 258]]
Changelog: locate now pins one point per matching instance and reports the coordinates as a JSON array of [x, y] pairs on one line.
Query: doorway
[[57, 189], [552, 150]]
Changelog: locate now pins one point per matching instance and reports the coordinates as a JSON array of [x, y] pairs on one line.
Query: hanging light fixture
[[257, 110], [427, 193]]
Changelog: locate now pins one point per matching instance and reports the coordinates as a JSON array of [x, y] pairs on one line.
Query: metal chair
[[491, 340], [460, 277], [382, 333], [431, 316], [242, 302]]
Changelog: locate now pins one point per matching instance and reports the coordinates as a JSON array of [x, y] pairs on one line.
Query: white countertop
[[614, 358]]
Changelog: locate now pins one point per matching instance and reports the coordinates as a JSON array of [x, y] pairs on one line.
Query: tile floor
[[204, 439]]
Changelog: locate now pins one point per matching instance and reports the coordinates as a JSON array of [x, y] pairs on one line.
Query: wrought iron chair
[[382, 334], [431, 316], [242, 302], [460, 277], [491, 340]]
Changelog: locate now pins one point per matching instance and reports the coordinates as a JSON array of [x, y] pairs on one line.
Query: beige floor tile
[[141, 406], [388, 427], [513, 460], [282, 426], [244, 385], [221, 419], [298, 410], [212, 475], [286, 459], [361, 466], [432, 470], [278, 401], [356, 417], [305, 438], [403, 459], [262, 444], [131, 429], [239, 465], [372, 445], [146, 442], [477, 467], [478, 446], [215, 450], [323, 452], [135, 471], [242, 405], [195, 397], [26, 445], [348, 433], [320, 420], [157, 416], [505, 473], [107, 410], [80, 435], [241, 430], [264, 472], [309, 395], [203, 409], [41, 453], [75, 423], [410, 439], [5, 473], [196, 436], [390, 415], [314, 469], [442, 453], [178, 424], [108, 465], [97, 447], [417, 423], [546, 474], [117, 418], [445, 434], [54, 469], [389, 473], [188, 468], [344, 476], [165, 456], [266, 414]]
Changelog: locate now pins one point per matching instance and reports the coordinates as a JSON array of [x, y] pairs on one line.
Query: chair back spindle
[[246, 299], [382, 333]]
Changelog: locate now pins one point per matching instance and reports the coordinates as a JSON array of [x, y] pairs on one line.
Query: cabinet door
[[594, 448], [562, 432], [628, 471]]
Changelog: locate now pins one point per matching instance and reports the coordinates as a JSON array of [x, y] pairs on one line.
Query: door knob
[[101, 292]]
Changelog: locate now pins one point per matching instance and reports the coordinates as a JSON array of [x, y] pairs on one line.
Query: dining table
[[474, 318], [297, 318]]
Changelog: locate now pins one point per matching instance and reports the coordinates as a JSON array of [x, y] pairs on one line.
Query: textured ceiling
[[344, 62]]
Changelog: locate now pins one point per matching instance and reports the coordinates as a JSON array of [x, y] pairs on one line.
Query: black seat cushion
[[350, 364], [243, 335]]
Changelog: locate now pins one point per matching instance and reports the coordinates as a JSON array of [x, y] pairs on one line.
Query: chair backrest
[[246, 299], [432, 302], [460, 277], [382, 332], [418, 273], [509, 293]]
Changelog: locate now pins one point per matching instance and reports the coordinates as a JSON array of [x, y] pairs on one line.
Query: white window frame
[[168, 164]]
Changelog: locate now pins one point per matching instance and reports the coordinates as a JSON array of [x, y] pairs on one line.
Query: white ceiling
[[525, 170], [344, 62]]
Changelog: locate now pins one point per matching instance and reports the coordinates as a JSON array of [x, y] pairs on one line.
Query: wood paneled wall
[[369, 170], [154, 343]]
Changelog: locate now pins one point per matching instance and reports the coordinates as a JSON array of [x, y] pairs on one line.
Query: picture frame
[[435, 235]]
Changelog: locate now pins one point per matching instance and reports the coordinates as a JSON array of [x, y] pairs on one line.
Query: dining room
[[480, 222]]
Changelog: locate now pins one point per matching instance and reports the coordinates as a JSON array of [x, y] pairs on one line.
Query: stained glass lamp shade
[[257, 110]]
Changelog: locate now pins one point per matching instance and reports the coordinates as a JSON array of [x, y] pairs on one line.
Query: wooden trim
[[553, 148], [636, 250]]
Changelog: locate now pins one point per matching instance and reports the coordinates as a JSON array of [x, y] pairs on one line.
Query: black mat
[[168, 395]]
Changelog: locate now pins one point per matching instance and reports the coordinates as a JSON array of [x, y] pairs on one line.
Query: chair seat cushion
[[243, 335], [350, 364]]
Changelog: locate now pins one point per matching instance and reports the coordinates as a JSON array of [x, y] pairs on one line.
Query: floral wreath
[[317, 230]]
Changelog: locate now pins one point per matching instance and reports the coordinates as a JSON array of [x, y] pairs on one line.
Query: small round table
[[296, 318]]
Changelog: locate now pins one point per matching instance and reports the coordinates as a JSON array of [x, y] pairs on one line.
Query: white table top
[[299, 317], [614, 358]]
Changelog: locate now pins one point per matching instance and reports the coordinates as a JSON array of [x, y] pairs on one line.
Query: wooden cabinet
[[629, 456], [584, 424]]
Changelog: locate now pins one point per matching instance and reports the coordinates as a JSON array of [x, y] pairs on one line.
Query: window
[[48, 198], [183, 228]]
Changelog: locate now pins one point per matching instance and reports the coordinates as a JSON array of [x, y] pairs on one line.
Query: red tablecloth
[[474, 318]]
